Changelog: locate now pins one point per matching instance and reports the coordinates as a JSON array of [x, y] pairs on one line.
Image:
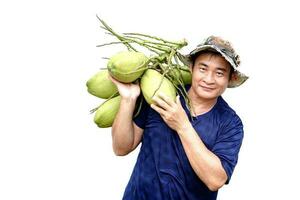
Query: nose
[[209, 78]]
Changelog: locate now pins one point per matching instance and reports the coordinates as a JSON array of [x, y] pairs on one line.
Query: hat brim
[[237, 78]]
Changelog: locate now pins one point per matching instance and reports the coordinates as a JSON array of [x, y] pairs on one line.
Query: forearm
[[122, 128], [206, 165]]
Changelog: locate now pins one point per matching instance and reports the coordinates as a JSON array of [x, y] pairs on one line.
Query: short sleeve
[[228, 144], [140, 118]]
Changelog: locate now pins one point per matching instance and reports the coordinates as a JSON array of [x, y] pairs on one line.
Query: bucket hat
[[217, 44]]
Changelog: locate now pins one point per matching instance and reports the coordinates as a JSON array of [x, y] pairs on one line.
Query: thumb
[[115, 81], [111, 78]]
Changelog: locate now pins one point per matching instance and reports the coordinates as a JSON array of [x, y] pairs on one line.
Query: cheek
[[196, 76], [223, 85], [195, 79]]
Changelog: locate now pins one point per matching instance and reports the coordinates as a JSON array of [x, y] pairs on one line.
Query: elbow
[[215, 185], [120, 152]]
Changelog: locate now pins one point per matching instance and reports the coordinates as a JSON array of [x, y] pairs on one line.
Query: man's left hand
[[171, 112]]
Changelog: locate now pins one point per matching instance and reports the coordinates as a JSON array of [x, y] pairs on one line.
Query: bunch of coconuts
[[164, 72]]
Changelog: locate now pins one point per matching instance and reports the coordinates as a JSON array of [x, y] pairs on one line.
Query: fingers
[[166, 102], [160, 102], [166, 99], [158, 109], [112, 79]]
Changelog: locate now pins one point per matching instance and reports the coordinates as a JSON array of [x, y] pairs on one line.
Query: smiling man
[[184, 155]]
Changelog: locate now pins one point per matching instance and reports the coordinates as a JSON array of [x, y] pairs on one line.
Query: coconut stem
[[110, 43], [106, 27], [181, 43], [170, 45], [161, 81]]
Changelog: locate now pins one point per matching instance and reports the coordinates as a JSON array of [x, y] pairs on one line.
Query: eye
[[220, 73], [202, 69]]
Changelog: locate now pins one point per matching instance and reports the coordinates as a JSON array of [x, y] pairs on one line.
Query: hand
[[126, 90], [171, 112]]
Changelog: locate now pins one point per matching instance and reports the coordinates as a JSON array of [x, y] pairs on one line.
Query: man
[[184, 155]]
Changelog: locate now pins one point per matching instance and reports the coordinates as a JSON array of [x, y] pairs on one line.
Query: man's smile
[[206, 88]]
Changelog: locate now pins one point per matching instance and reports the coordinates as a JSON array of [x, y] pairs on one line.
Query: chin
[[207, 94], [208, 97]]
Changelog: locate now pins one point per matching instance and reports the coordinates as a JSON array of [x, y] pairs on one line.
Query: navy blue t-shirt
[[162, 170]]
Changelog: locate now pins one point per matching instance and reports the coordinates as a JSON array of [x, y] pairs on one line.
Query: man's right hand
[[126, 90]]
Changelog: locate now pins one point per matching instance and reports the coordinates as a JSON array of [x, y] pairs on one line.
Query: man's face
[[210, 76]]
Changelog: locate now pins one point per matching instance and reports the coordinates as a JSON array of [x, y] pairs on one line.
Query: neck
[[200, 105]]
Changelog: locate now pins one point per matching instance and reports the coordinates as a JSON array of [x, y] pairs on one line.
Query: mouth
[[207, 88]]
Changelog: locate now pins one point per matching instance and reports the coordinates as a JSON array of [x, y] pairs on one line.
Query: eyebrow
[[218, 68], [202, 63]]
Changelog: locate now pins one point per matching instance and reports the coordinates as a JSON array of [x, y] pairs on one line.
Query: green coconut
[[127, 66], [154, 83], [101, 86], [106, 113], [182, 73]]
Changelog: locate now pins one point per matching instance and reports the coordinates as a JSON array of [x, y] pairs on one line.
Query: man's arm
[[125, 134], [205, 163]]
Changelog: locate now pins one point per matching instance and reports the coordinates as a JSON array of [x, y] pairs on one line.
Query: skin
[[126, 135], [210, 77]]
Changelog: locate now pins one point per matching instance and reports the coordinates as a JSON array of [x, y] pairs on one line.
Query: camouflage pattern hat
[[223, 47]]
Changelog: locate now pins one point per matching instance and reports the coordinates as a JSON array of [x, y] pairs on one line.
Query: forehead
[[212, 58]]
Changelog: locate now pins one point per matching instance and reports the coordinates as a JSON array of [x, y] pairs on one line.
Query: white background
[[51, 149]]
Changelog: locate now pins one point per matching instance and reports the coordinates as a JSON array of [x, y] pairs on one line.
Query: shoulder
[[227, 115]]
